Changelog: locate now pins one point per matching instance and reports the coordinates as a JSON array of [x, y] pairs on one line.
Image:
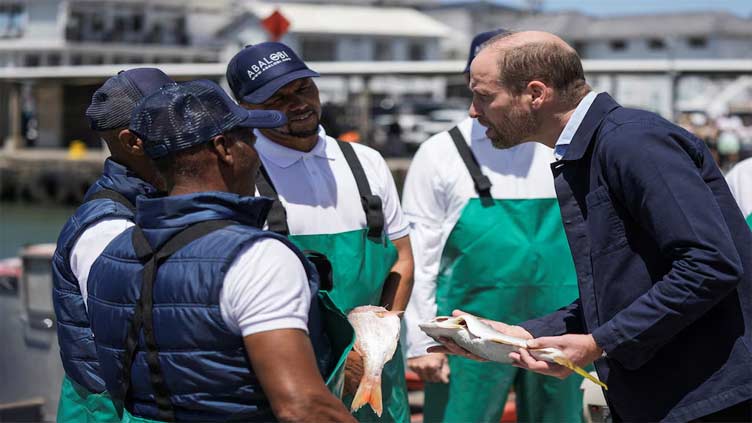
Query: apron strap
[[277, 217], [114, 196], [371, 203], [323, 267], [481, 181], [143, 317]]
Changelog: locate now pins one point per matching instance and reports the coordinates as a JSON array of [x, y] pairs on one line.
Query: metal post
[[15, 140], [365, 111]]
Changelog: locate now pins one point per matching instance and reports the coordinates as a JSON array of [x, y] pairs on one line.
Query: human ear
[[131, 143], [221, 145], [538, 92]]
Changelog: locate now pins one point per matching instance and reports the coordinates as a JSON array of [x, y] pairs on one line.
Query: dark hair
[[548, 62], [183, 163], [190, 163]]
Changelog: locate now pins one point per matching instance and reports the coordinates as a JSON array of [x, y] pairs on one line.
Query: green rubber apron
[[78, 405], [361, 261], [506, 260]]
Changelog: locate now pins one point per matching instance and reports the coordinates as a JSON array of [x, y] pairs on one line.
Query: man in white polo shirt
[[488, 239], [338, 199], [739, 180]]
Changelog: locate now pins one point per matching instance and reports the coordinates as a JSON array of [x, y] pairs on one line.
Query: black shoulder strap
[[143, 312], [371, 203], [114, 196], [481, 181], [277, 217]]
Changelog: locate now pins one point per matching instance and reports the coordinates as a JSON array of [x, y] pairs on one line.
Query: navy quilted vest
[[204, 364], [74, 334]]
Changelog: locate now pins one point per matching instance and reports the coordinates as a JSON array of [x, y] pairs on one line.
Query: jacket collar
[[121, 179], [160, 217], [601, 107]]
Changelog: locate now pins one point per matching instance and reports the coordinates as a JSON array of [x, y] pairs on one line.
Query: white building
[[686, 35], [84, 32], [336, 32]]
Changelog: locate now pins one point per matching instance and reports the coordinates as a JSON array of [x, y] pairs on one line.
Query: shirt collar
[[477, 131], [577, 117], [285, 157]]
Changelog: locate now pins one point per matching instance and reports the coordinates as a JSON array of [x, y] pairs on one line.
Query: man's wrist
[[598, 351]]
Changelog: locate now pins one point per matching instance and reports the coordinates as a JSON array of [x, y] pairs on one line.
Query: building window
[[137, 22], [77, 60], [698, 42], [579, 47], [12, 20], [73, 30], [417, 52], [382, 50], [94, 59], [32, 60], [318, 50], [53, 59], [656, 44], [618, 45]]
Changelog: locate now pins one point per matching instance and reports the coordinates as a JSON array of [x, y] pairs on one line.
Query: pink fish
[[377, 331]]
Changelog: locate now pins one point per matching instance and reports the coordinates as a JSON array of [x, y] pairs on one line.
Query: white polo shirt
[[739, 180], [265, 288], [318, 190], [437, 189]]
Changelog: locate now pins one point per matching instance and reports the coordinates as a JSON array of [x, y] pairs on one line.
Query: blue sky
[[611, 7]]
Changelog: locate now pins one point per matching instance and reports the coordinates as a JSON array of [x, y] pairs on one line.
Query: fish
[[377, 331], [472, 334]]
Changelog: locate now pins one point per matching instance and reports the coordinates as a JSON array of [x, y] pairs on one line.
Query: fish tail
[[369, 392], [579, 370]]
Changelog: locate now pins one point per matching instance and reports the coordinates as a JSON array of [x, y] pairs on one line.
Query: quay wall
[[52, 177]]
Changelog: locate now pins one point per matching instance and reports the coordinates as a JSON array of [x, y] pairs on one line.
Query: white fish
[[470, 333], [377, 331]]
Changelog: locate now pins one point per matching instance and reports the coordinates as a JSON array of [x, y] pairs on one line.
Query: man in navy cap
[[336, 198], [107, 211], [501, 203], [225, 307]]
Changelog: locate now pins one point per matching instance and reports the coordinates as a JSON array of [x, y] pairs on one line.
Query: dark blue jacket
[[74, 334], [205, 365], [664, 265]]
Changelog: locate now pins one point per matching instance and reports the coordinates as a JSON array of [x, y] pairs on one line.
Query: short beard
[[518, 126], [305, 133]]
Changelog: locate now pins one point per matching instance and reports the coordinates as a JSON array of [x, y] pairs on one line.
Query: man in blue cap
[[107, 211], [335, 198], [226, 309], [501, 203]]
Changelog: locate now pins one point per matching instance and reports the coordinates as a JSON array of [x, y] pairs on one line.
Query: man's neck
[[304, 144], [193, 186], [140, 169], [558, 121]]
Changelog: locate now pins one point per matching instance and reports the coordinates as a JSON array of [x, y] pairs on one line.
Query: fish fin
[[579, 370], [369, 392]]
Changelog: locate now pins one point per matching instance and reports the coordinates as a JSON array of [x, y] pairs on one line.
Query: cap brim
[[262, 94], [262, 119]]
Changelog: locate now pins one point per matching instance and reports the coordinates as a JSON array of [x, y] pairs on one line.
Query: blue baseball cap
[[477, 43], [112, 103], [259, 70], [183, 115]]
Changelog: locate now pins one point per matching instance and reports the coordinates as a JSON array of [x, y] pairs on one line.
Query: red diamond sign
[[276, 25]]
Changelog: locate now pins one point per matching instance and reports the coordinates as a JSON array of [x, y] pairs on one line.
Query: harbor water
[[25, 223]]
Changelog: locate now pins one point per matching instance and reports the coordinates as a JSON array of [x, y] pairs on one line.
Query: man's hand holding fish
[[580, 349], [450, 347], [487, 340]]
